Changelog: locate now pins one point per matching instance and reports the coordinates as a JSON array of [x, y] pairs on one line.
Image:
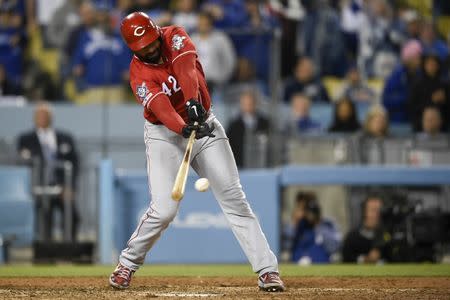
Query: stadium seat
[[443, 25], [424, 7], [48, 58], [334, 86], [377, 84], [17, 221], [323, 113], [15, 183], [16, 206]]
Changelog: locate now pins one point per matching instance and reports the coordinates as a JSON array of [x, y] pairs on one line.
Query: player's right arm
[[152, 98]]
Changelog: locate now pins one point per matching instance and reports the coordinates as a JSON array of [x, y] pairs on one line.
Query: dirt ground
[[227, 288]]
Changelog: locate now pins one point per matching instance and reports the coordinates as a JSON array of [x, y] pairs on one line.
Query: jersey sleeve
[[152, 98], [180, 43], [145, 91]]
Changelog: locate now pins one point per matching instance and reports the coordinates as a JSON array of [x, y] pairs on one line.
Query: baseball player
[[167, 79]]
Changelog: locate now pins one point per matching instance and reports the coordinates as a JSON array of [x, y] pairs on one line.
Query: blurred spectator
[[319, 33], [431, 44], [100, 62], [315, 238], [12, 42], [375, 37], [157, 10], [306, 82], [405, 25], [215, 51], [429, 89], [226, 14], [300, 120], [244, 79], [376, 124], [345, 118], [413, 24], [63, 32], [185, 15], [249, 122], [7, 87], [398, 84], [356, 89], [431, 123], [43, 12], [62, 22], [252, 39], [38, 84], [86, 12], [369, 141], [367, 244], [119, 12], [352, 18], [289, 13], [46, 148]]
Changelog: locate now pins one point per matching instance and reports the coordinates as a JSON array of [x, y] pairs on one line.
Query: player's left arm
[[184, 63]]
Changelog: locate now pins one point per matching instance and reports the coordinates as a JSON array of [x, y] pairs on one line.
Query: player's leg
[[214, 160], [164, 152]]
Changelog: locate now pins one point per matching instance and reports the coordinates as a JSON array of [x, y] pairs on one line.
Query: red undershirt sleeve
[[164, 111]]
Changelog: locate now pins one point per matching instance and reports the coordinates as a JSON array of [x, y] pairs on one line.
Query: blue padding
[[17, 220], [106, 210], [14, 182], [200, 232], [363, 175]]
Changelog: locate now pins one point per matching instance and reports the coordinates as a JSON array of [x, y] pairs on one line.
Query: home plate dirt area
[[226, 288]]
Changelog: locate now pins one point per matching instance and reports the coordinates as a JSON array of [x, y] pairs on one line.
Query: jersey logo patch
[[177, 42], [142, 92]]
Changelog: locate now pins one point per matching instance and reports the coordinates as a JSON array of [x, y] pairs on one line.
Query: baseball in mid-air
[[202, 184]]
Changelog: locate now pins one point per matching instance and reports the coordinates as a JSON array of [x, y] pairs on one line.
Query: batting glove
[[196, 111], [202, 130]]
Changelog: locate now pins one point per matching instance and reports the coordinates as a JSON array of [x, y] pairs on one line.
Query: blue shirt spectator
[[226, 13], [398, 84], [320, 32], [11, 53], [252, 39], [315, 243], [306, 124], [431, 44], [356, 89], [12, 42], [103, 58], [300, 121], [315, 238]]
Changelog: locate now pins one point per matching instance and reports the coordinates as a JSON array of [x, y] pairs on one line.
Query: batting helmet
[[138, 30]]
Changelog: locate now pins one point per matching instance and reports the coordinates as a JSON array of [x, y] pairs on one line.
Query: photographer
[[367, 243], [315, 238]]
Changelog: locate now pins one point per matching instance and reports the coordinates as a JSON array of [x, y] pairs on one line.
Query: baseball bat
[[180, 181]]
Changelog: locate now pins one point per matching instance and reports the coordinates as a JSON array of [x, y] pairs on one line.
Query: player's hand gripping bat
[[180, 180]]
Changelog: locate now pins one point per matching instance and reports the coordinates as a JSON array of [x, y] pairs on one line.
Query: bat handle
[[180, 180]]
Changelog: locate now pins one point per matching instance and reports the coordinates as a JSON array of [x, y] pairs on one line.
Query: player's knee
[[167, 216], [233, 192]]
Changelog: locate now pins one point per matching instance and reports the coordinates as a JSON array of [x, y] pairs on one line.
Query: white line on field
[[357, 289], [174, 294]]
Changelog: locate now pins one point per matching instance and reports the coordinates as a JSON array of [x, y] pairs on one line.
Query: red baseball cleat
[[271, 282], [121, 277]]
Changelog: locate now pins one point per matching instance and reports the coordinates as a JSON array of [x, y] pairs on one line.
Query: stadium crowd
[[390, 53]]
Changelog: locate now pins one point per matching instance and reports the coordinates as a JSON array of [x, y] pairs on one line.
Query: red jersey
[[150, 81]]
